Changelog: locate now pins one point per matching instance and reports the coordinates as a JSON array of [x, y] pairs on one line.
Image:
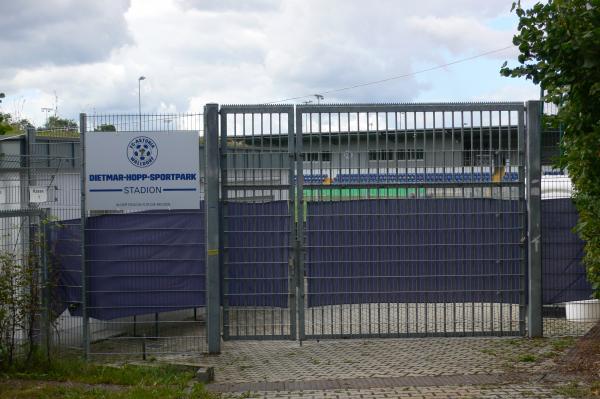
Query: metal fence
[[322, 221], [373, 220], [419, 232], [258, 226], [39, 184], [141, 291], [144, 271]]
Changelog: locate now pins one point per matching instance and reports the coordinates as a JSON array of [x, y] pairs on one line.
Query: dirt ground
[[582, 361]]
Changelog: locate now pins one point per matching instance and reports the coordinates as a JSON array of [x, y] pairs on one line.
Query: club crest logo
[[142, 151]]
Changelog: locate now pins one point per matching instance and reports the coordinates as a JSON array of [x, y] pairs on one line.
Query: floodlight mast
[[140, 98]]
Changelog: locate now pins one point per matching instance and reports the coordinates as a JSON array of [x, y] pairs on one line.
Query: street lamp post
[[140, 98]]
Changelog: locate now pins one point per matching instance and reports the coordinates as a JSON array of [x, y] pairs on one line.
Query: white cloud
[[511, 92], [460, 35], [60, 32], [196, 51]]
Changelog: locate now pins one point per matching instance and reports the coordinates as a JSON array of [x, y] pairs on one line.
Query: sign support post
[[84, 294]]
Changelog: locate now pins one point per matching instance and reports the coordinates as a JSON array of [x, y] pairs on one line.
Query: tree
[[10, 126], [54, 122], [559, 44], [105, 128], [5, 123]]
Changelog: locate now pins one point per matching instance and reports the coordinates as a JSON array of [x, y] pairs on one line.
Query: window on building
[[381, 155], [317, 156], [410, 154], [311, 156]]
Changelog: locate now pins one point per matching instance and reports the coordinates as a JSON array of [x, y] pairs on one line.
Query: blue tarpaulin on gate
[[361, 251], [426, 250], [257, 254]]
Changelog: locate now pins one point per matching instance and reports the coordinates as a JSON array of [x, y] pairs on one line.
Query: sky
[[86, 55]]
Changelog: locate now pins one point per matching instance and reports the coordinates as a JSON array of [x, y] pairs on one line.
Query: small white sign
[[142, 170], [38, 194]]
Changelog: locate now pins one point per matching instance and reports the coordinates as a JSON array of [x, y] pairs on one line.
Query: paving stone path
[[386, 368]]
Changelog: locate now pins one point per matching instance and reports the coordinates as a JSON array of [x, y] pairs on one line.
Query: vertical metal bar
[[299, 211], [223, 225], [83, 222], [211, 203], [293, 274], [44, 237], [25, 183], [533, 193], [522, 220]]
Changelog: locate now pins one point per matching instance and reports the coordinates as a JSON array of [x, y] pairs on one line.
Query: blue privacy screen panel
[[563, 273], [425, 250], [361, 251], [137, 263], [257, 250]]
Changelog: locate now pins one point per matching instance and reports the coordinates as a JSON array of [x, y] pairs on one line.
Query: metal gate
[[413, 220], [373, 220], [258, 227]]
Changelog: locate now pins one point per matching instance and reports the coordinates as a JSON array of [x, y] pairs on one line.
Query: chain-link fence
[[145, 272]]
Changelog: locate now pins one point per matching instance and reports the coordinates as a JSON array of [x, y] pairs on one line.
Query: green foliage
[[559, 44], [7, 125], [21, 304], [54, 122], [105, 128]]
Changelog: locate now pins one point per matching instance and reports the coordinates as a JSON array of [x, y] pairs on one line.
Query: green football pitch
[[323, 193]]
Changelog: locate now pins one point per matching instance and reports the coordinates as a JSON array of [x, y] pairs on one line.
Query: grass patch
[[40, 390], [528, 357], [561, 344], [573, 390], [78, 370], [73, 378]]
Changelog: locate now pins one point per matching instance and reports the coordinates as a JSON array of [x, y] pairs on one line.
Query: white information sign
[[142, 170], [38, 194]]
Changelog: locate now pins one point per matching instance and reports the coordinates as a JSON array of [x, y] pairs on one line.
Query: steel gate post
[[533, 193], [83, 222], [211, 203]]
